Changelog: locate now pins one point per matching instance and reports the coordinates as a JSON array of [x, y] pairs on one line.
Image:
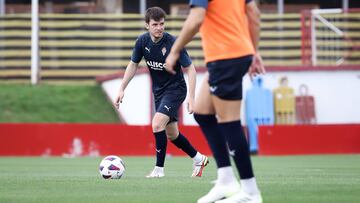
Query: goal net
[[331, 37]]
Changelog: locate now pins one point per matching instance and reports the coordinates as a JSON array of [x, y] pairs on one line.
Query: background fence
[[82, 46]]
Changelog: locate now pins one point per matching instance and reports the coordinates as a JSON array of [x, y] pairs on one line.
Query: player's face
[[156, 28]]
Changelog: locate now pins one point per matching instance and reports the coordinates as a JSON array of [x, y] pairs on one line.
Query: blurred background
[[61, 64]]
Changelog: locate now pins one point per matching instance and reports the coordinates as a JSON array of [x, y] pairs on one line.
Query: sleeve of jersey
[[200, 3], [137, 53], [184, 59]]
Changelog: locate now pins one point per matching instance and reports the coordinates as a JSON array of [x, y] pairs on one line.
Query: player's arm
[[190, 28], [253, 15], [192, 84], [129, 74], [130, 70]]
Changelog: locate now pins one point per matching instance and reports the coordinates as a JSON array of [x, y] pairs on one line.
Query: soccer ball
[[112, 167]]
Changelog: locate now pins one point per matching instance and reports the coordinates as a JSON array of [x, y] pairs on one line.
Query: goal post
[[35, 53], [330, 37]]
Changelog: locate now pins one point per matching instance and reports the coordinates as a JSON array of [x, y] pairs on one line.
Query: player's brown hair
[[155, 13]]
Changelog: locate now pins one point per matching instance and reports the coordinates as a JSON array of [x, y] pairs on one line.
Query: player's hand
[[171, 62], [257, 66], [190, 105], [118, 99]]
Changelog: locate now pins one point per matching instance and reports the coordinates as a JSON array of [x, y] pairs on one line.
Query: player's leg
[[227, 103], [226, 183], [206, 118], [180, 141], [158, 126], [230, 127]]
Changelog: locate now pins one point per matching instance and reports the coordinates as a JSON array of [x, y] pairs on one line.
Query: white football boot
[[157, 172], [219, 192], [242, 197], [199, 166]]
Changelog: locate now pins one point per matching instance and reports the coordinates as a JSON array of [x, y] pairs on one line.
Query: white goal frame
[[316, 15]]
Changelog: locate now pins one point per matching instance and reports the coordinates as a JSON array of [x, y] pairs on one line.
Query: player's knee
[[171, 135], [157, 127]]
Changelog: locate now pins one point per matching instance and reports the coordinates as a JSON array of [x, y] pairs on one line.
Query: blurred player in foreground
[[230, 34], [169, 89]]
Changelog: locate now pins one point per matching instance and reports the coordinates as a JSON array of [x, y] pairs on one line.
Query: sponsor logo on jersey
[[147, 49], [156, 65]]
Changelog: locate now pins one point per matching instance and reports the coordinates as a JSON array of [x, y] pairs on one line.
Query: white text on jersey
[[156, 65]]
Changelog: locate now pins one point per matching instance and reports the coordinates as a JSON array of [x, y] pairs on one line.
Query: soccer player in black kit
[[169, 90]]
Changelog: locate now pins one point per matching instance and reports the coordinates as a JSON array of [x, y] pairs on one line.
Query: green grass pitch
[[289, 179]]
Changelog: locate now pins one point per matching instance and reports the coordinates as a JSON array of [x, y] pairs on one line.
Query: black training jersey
[[155, 55]]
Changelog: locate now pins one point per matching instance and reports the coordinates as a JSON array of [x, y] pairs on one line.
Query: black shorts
[[225, 77], [169, 104]]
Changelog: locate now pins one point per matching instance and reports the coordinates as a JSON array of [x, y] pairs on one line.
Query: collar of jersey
[[159, 42]]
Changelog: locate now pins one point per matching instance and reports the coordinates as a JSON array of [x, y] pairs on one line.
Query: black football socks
[[238, 147], [182, 143], [217, 142], [161, 143]]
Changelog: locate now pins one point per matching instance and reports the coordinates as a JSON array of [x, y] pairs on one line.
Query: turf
[[54, 103], [281, 179]]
